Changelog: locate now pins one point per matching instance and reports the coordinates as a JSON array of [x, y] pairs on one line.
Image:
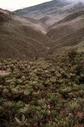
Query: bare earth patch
[[4, 73]]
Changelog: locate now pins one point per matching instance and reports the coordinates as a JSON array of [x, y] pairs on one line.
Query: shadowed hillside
[[68, 33], [63, 22], [28, 38], [20, 38]]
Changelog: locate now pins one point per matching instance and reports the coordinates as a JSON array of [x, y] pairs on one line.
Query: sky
[[17, 4]]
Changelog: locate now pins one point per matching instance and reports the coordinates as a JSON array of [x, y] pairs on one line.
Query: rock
[[4, 73], [4, 15]]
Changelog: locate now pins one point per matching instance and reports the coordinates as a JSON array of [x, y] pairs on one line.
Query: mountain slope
[[46, 10], [29, 38], [51, 12], [20, 37], [68, 33], [41, 9]]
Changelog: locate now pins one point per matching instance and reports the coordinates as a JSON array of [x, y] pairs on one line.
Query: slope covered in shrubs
[[42, 93]]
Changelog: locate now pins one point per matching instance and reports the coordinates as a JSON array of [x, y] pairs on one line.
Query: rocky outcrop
[[4, 15]]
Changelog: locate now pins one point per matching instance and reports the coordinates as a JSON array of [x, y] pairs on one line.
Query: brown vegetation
[[43, 93]]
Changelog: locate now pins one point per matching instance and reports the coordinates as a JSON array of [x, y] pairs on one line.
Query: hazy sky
[[16, 4]]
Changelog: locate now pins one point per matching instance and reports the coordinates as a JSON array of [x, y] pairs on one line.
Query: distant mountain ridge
[[41, 8], [50, 12], [41, 11]]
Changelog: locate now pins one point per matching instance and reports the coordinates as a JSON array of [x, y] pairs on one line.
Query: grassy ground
[[42, 93]]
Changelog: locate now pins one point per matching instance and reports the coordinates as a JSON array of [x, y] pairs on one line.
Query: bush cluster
[[43, 93]]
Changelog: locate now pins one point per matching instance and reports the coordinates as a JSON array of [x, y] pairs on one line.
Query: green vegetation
[[42, 93]]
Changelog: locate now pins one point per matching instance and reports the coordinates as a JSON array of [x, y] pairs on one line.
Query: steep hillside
[[48, 11], [40, 10], [29, 38], [20, 38], [70, 17], [51, 12], [69, 32]]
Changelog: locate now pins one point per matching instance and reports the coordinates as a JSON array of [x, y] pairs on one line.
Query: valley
[[42, 65]]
